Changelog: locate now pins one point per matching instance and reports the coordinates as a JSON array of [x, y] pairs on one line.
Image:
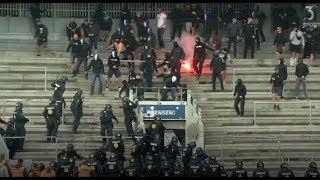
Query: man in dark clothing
[[239, 171], [233, 32], [156, 128], [104, 21], [20, 121], [131, 44], [216, 67], [93, 34], [117, 34], [194, 167], [72, 28], [187, 154], [41, 36], [248, 32], [112, 167], [132, 170], [149, 64], [125, 14], [69, 152], [129, 114], [239, 93], [76, 109], [118, 148], [83, 56], [97, 72], [10, 142], [283, 73], [178, 55], [285, 171], [261, 18], [113, 64], [51, 114], [75, 50], [276, 83], [60, 103], [84, 29], [65, 167], [170, 85], [211, 24], [35, 11], [260, 171], [312, 170], [279, 41], [314, 44], [59, 86], [199, 55], [213, 168], [100, 155], [228, 14], [172, 151], [301, 73], [106, 117], [176, 16], [124, 88]]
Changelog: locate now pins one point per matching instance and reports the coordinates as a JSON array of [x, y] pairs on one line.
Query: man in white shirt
[[161, 25], [297, 43]]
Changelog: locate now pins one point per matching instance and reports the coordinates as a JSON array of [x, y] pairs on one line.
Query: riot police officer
[[211, 167], [96, 169], [112, 167], [187, 154], [138, 152], [59, 85], [260, 171], [285, 171], [129, 114], [100, 155], [194, 166], [118, 148], [66, 167], [172, 151], [76, 109], [165, 168], [69, 152], [20, 121], [132, 170], [51, 115], [10, 142], [150, 169], [156, 128], [201, 154], [178, 170], [140, 135], [106, 117], [223, 172], [59, 101], [239, 171], [312, 170]]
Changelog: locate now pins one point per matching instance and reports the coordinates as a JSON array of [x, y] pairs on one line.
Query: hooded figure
[[239, 93]]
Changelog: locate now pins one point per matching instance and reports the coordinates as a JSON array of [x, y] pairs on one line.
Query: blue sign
[[165, 112]]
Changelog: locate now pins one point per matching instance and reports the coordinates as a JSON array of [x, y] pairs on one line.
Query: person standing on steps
[[76, 109], [106, 117], [199, 56], [240, 92], [161, 25], [233, 32], [216, 66], [20, 122], [276, 83], [301, 73], [97, 72], [51, 114], [82, 57], [248, 32], [129, 114], [114, 63], [283, 73]]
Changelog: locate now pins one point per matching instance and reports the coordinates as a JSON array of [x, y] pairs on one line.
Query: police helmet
[[140, 130], [157, 118], [19, 104], [41, 166], [283, 165], [79, 91], [71, 160], [52, 101], [64, 79], [313, 165], [52, 164], [239, 164], [112, 156], [174, 140], [260, 164], [108, 107], [192, 144], [70, 146], [91, 155], [118, 136], [150, 158]]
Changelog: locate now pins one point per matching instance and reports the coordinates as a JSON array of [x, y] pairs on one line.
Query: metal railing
[[158, 90], [280, 102], [87, 10], [13, 68]]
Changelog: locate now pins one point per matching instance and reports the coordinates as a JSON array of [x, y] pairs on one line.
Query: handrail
[[158, 91], [34, 67], [281, 102]]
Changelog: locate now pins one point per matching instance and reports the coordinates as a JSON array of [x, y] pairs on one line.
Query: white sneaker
[[107, 89]]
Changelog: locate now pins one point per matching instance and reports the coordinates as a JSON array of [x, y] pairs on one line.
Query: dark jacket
[[72, 28], [260, 172], [97, 66], [200, 50], [76, 105], [84, 49], [301, 70], [42, 32], [148, 56], [19, 117], [280, 39], [239, 173], [114, 61], [233, 30], [75, 47], [240, 90], [276, 80], [130, 41], [177, 54], [216, 65], [93, 29], [53, 109], [248, 31], [283, 73], [36, 10], [106, 117]]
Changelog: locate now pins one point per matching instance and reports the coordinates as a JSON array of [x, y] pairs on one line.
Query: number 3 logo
[[309, 9]]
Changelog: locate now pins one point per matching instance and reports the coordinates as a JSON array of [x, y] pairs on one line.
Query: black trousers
[[234, 41], [176, 28], [20, 132], [236, 105], [52, 129], [214, 77], [127, 121], [248, 44], [76, 123], [147, 77], [198, 60], [263, 38], [109, 128], [81, 60]]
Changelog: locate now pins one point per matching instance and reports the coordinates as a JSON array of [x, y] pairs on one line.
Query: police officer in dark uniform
[[60, 103], [138, 152], [312, 170], [172, 151], [201, 154], [69, 152], [178, 170], [20, 121], [76, 109], [112, 167], [51, 115], [129, 114], [155, 150], [260, 171], [96, 169], [106, 117], [10, 142], [150, 168], [133, 169], [285, 171], [239, 171], [83, 56], [148, 64], [100, 155], [156, 128], [199, 55], [194, 166], [118, 148], [165, 168], [140, 135], [59, 85], [187, 154], [66, 168], [211, 167], [223, 172]]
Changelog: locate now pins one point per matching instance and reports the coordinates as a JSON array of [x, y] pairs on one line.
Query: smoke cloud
[[187, 42]]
